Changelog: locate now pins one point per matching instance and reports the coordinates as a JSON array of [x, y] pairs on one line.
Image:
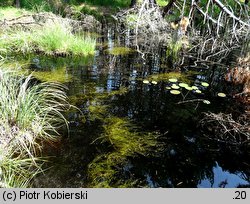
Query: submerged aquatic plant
[[126, 141], [29, 113], [55, 75], [120, 51]]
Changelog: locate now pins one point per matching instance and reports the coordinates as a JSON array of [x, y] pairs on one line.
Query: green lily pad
[[206, 102], [173, 80], [145, 81], [198, 91], [175, 92], [174, 86], [221, 95], [188, 88], [183, 85], [168, 87], [205, 84], [154, 82], [194, 87]]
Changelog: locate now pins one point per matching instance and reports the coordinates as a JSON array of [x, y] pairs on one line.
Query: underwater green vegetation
[[55, 75], [122, 138], [45, 68], [127, 141], [185, 77], [30, 113], [120, 51]]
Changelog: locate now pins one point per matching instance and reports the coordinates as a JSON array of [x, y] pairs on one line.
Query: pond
[[129, 130]]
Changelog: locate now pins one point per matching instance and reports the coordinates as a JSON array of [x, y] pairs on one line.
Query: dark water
[[187, 159]]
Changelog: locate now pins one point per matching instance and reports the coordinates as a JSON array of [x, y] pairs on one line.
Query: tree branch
[[226, 10]]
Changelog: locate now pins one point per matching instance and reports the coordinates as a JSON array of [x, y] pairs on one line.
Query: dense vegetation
[[32, 111]]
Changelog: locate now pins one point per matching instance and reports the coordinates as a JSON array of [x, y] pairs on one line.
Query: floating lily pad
[[206, 102], [183, 85], [173, 80], [168, 87], [154, 82], [205, 84], [198, 91], [145, 81], [221, 95], [194, 87], [175, 92], [174, 86], [188, 88]]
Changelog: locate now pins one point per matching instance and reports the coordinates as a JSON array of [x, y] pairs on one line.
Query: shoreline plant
[[54, 38], [29, 114]]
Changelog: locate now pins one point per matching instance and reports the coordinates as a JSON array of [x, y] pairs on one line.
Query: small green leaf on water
[[206, 102], [145, 81], [183, 85], [174, 86], [205, 84], [173, 80], [221, 95], [194, 87], [188, 88], [198, 91], [167, 87], [175, 92], [154, 82]]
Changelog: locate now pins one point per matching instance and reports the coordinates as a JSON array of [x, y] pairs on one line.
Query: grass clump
[[54, 38], [109, 3], [29, 114], [12, 12]]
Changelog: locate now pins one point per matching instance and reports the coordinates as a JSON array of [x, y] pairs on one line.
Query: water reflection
[[223, 178], [188, 160]]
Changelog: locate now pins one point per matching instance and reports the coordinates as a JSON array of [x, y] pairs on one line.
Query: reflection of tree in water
[[188, 158]]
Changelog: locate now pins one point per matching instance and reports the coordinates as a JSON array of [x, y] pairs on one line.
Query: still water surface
[[118, 83]]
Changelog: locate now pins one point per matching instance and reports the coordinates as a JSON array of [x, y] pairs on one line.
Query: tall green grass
[[12, 12], [29, 113], [110, 3], [55, 37]]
